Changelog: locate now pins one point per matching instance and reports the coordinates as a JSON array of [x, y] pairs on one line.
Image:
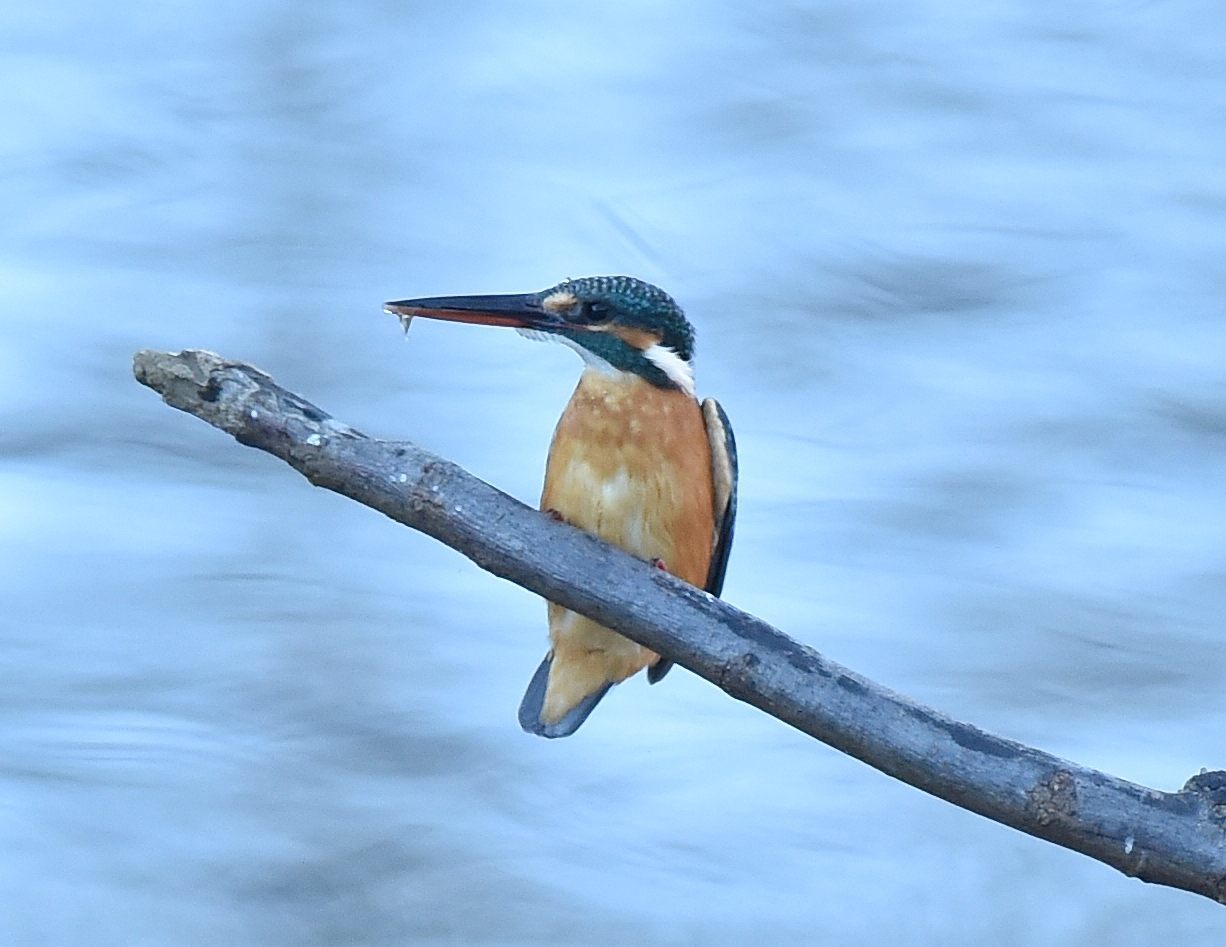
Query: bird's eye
[[595, 312]]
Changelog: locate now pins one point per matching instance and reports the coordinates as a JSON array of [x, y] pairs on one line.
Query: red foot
[[659, 563], [554, 515]]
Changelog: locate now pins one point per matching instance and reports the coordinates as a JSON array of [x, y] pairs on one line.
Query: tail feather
[[533, 705]]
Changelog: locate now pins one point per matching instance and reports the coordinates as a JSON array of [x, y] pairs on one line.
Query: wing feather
[[724, 474]]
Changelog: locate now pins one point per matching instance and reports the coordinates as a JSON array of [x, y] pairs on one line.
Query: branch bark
[[1170, 838]]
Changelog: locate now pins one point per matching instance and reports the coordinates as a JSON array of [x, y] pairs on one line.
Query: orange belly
[[629, 462]]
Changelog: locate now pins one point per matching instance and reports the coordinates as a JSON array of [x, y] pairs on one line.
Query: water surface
[[956, 272]]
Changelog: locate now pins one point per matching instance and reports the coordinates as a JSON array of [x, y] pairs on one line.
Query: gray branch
[[1169, 838]]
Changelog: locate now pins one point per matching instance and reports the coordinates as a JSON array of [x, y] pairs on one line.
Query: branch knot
[[1054, 799]]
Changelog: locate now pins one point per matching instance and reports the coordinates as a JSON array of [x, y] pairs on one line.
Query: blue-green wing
[[724, 474]]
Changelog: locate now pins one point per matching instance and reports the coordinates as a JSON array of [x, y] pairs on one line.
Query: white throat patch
[[678, 370], [590, 359]]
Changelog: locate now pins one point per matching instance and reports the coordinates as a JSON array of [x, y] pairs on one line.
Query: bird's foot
[[659, 563], [554, 515]]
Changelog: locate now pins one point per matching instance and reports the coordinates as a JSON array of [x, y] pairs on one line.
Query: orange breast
[[629, 462]]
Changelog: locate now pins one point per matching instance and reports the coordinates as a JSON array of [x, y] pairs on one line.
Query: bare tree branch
[[1176, 839]]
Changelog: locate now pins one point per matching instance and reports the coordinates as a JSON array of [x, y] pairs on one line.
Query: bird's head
[[615, 322]]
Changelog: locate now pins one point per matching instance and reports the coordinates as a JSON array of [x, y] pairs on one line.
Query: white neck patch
[[679, 371]]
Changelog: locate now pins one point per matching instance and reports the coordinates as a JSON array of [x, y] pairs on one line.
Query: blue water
[[957, 276]]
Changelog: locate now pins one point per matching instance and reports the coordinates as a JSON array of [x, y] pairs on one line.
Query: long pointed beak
[[522, 311]]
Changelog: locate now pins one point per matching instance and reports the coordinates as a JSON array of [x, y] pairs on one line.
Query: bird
[[635, 459]]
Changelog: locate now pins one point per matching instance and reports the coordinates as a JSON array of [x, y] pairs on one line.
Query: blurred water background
[[957, 273]]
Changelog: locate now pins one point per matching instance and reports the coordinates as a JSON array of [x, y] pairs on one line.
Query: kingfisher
[[635, 459]]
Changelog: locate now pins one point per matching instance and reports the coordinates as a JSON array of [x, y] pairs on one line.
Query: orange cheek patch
[[640, 339]]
